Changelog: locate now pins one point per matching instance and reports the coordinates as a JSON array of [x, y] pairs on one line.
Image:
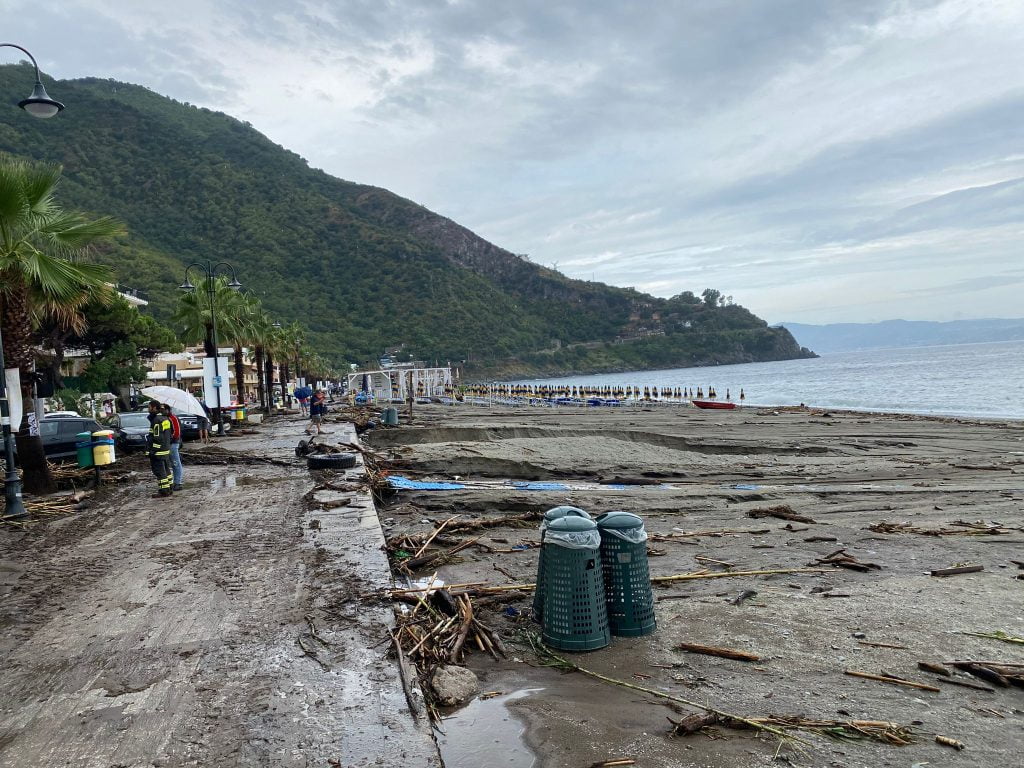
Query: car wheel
[[331, 461]]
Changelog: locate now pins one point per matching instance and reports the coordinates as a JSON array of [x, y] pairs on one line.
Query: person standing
[[160, 449], [317, 409], [204, 424], [176, 468]]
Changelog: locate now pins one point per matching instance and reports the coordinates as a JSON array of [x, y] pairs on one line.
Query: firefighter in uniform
[[160, 448]]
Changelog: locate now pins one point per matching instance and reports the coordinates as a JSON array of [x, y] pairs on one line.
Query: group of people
[[165, 449]]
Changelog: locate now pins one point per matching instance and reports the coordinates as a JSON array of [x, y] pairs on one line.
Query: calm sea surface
[[961, 380]]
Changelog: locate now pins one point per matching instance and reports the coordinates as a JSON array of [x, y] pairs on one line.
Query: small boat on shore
[[714, 404]]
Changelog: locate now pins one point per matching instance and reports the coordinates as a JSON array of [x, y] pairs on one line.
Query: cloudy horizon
[[818, 161]]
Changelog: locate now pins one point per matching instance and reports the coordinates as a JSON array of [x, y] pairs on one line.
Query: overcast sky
[[819, 160]]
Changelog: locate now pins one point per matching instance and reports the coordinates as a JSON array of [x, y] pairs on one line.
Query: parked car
[[60, 435], [130, 430], [190, 423]]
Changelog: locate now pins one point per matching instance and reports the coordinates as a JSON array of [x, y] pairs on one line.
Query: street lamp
[[39, 104], [209, 270]]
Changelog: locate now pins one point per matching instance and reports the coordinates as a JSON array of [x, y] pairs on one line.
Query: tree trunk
[[270, 383], [261, 378], [285, 378], [239, 374], [19, 353]]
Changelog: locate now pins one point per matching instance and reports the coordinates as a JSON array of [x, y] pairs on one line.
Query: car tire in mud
[[331, 461]]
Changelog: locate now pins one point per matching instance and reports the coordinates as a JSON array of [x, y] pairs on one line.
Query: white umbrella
[[176, 398]]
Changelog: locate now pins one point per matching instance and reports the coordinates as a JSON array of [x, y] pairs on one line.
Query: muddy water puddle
[[486, 733], [235, 481]]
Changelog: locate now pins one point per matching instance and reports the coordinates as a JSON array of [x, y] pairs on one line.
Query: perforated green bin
[[555, 513], [627, 579], [575, 617]]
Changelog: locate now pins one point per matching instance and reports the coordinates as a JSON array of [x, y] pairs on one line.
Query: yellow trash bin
[[103, 447]]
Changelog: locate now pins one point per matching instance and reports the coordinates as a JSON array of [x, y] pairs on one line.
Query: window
[[48, 428]]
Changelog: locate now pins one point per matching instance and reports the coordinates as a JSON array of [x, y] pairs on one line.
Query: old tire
[[331, 461]]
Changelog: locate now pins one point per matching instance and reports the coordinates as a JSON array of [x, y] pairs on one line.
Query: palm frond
[[71, 232]]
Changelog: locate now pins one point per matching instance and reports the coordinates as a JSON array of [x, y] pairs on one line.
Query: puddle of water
[[485, 733], [233, 481]]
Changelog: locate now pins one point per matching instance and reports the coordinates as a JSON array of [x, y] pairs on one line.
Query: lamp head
[[187, 286], [39, 104], [234, 285]]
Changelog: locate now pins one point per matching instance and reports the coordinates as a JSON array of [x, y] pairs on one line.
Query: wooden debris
[[526, 519], [965, 684], [711, 650], [780, 511], [730, 574], [703, 559], [744, 595], [983, 672], [843, 560], [956, 571], [613, 763], [892, 680], [813, 539], [880, 645], [962, 529], [680, 537], [948, 742], [693, 723], [935, 669]]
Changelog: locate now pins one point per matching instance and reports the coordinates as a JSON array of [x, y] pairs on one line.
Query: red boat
[[724, 406]]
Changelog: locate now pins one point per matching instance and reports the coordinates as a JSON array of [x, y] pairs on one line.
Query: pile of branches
[[963, 528], [438, 630]]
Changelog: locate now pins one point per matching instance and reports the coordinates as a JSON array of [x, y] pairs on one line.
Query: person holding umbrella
[[160, 449], [176, 469]]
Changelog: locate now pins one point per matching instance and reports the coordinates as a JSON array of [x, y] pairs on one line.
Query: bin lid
[[103, 433], [620, 520], [557, 512], [83, 436], [572, 523]]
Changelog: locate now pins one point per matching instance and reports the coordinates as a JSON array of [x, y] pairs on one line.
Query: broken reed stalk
[[711, 650], [892, 680], [433, 536], [550, 659], [997, 635], [482, 588]]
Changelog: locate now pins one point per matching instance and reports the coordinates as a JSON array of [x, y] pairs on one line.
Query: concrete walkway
[[223, 628]]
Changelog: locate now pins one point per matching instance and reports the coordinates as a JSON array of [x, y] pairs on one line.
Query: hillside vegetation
[[362, 268]]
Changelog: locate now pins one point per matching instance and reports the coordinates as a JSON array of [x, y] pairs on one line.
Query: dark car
[[130, 430], [190, 422], [60, 435]]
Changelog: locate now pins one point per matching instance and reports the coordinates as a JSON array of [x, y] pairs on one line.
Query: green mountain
[[362, 268]]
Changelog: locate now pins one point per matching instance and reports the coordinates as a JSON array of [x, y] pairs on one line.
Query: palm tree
[[246, 309], [261, 327], [41, 274]]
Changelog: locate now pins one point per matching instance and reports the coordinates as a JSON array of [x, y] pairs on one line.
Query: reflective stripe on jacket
[[160, 436]]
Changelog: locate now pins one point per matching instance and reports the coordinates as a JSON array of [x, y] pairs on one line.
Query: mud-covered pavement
[[223, 628], [847, 472]]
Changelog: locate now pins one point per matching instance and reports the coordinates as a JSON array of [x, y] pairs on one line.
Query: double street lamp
[[210, 274], [38, 104]]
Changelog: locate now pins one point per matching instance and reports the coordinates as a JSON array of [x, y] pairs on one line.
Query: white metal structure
[[401, 383]]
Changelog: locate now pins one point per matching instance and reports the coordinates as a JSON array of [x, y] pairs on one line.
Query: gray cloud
[[818, 161]]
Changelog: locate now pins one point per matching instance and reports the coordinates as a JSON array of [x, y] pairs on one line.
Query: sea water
[[984, 380]]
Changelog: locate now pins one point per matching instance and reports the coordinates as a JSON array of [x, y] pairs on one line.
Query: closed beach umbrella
[[176, 398]]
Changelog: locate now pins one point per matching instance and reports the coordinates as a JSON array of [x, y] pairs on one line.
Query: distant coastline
[[903, 334]]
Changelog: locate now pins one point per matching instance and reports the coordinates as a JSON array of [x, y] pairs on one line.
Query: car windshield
[[134, 420]]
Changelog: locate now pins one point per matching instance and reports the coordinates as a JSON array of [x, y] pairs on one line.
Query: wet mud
[[847, 472]]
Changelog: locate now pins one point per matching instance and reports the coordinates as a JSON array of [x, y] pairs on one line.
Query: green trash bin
[[575, 616], [627, 579], [83, 449], [555, 513]]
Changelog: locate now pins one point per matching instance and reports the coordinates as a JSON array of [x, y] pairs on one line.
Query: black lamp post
[[209, 270], [39, 104]]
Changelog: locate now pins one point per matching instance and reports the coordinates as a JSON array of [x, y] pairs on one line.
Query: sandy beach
[[879, 487]]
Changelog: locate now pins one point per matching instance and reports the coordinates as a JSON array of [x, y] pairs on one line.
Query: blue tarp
[[404, 483], [522, 485]]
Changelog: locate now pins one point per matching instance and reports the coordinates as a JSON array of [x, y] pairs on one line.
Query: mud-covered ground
[[224, 627], [846, 472]]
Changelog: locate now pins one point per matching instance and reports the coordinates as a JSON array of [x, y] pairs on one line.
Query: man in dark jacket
[[160, 449]]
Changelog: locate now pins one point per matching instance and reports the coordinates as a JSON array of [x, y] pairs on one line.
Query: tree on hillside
[[41, 274]]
